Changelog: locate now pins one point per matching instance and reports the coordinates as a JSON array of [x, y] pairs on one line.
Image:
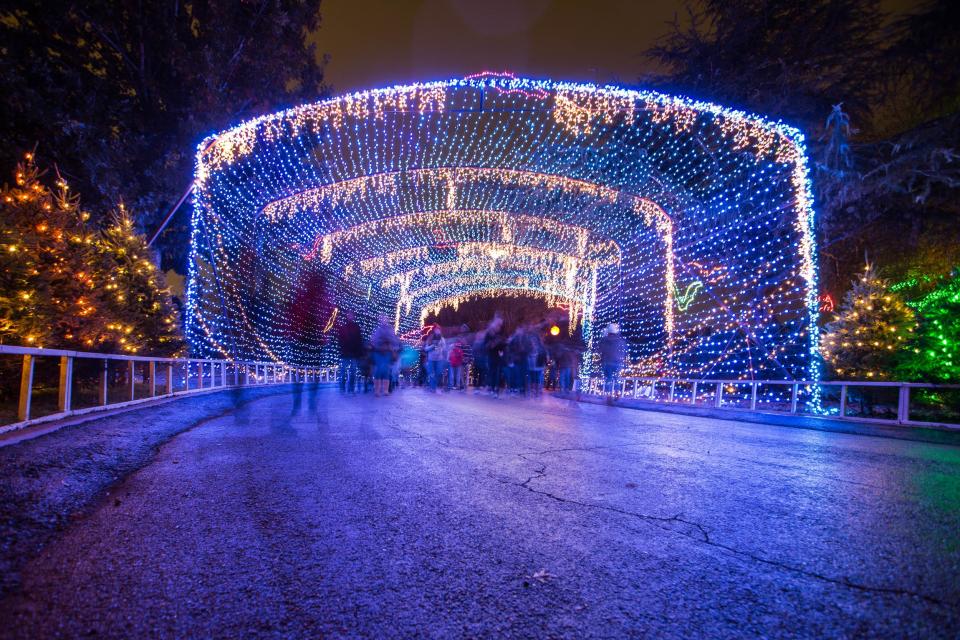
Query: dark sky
[[375, 43]]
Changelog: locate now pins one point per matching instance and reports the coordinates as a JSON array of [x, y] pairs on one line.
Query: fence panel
[[38, 384], [905, 403]]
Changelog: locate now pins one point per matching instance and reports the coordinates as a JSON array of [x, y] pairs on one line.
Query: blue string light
[[689, 224]]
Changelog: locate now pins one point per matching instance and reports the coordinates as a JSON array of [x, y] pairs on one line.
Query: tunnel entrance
[[688, 224]]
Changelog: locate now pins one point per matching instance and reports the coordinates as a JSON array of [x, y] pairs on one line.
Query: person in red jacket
[[455, 358]]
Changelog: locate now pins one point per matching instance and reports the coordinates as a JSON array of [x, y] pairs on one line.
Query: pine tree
[[143, 318], [64, 285], [48, 289], [870, 332], [934, 353]]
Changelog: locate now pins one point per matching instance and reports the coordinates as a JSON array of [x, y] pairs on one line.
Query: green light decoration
[[685, 299], [950, 293], [934, 354], [910, 283]]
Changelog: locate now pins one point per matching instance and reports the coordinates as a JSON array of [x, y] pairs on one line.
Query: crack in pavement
[[759, 463], [689, 529], [704, 538]]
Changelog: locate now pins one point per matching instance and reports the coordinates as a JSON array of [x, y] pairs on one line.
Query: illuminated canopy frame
[[689, 224]]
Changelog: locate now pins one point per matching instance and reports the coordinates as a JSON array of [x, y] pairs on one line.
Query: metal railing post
[[843, 400], [26, 388], [104, 383], [153, 378], [793, 397], [169, 378], [718, 400], [236, 374], [65, 390], [131, 369], [753, 397], [673, 387], [693, 396], [903, 404]]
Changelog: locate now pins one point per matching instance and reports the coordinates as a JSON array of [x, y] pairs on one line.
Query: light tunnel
[[688, 224]]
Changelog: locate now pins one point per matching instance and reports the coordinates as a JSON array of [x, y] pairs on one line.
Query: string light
[[689, 224]]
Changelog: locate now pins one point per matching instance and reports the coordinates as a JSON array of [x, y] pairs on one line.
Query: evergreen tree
[[790, 60], [143, 317], [48, 287], [934, 353], [121, 91], [870, 332], [65, 285]]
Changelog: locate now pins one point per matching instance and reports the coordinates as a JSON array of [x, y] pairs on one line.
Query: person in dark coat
[[352, 352]]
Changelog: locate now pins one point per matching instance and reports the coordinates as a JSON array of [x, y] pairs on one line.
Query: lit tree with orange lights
[[66, 285], [48, 288]]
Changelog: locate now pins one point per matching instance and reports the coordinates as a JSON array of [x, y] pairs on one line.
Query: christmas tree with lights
[[65, 285], [48, 287], [143, 318], [934, 353], [871, 331]]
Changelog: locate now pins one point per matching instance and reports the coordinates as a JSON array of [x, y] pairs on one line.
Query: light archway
[[689, 224]]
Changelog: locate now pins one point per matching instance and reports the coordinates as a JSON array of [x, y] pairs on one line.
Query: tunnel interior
[[688, 224]]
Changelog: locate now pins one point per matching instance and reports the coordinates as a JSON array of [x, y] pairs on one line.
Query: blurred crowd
[[523, 362]]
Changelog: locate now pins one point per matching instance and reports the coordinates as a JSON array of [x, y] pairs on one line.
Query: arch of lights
[[689, 224]]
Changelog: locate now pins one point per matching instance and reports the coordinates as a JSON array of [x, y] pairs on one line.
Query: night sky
[[375, 43]]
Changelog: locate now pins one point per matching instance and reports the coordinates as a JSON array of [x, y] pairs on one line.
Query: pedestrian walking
[[494, 346], [435, 348], [455, 358], [613, 351], [352, 352], [566, 355], [537, 361], [384, 347]]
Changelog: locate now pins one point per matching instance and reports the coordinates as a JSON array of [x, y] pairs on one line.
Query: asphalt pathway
[[455, 515]]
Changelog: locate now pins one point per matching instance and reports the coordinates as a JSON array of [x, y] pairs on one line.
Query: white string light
[[689, 224]]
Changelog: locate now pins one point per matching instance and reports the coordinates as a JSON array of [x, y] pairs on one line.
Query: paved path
[[461, 515]]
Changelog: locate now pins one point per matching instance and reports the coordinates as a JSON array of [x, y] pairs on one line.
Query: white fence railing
[[120, 380], [935, 405], [113, 380]]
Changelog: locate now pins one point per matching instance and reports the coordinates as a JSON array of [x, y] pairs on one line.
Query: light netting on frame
[[689, 224]]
